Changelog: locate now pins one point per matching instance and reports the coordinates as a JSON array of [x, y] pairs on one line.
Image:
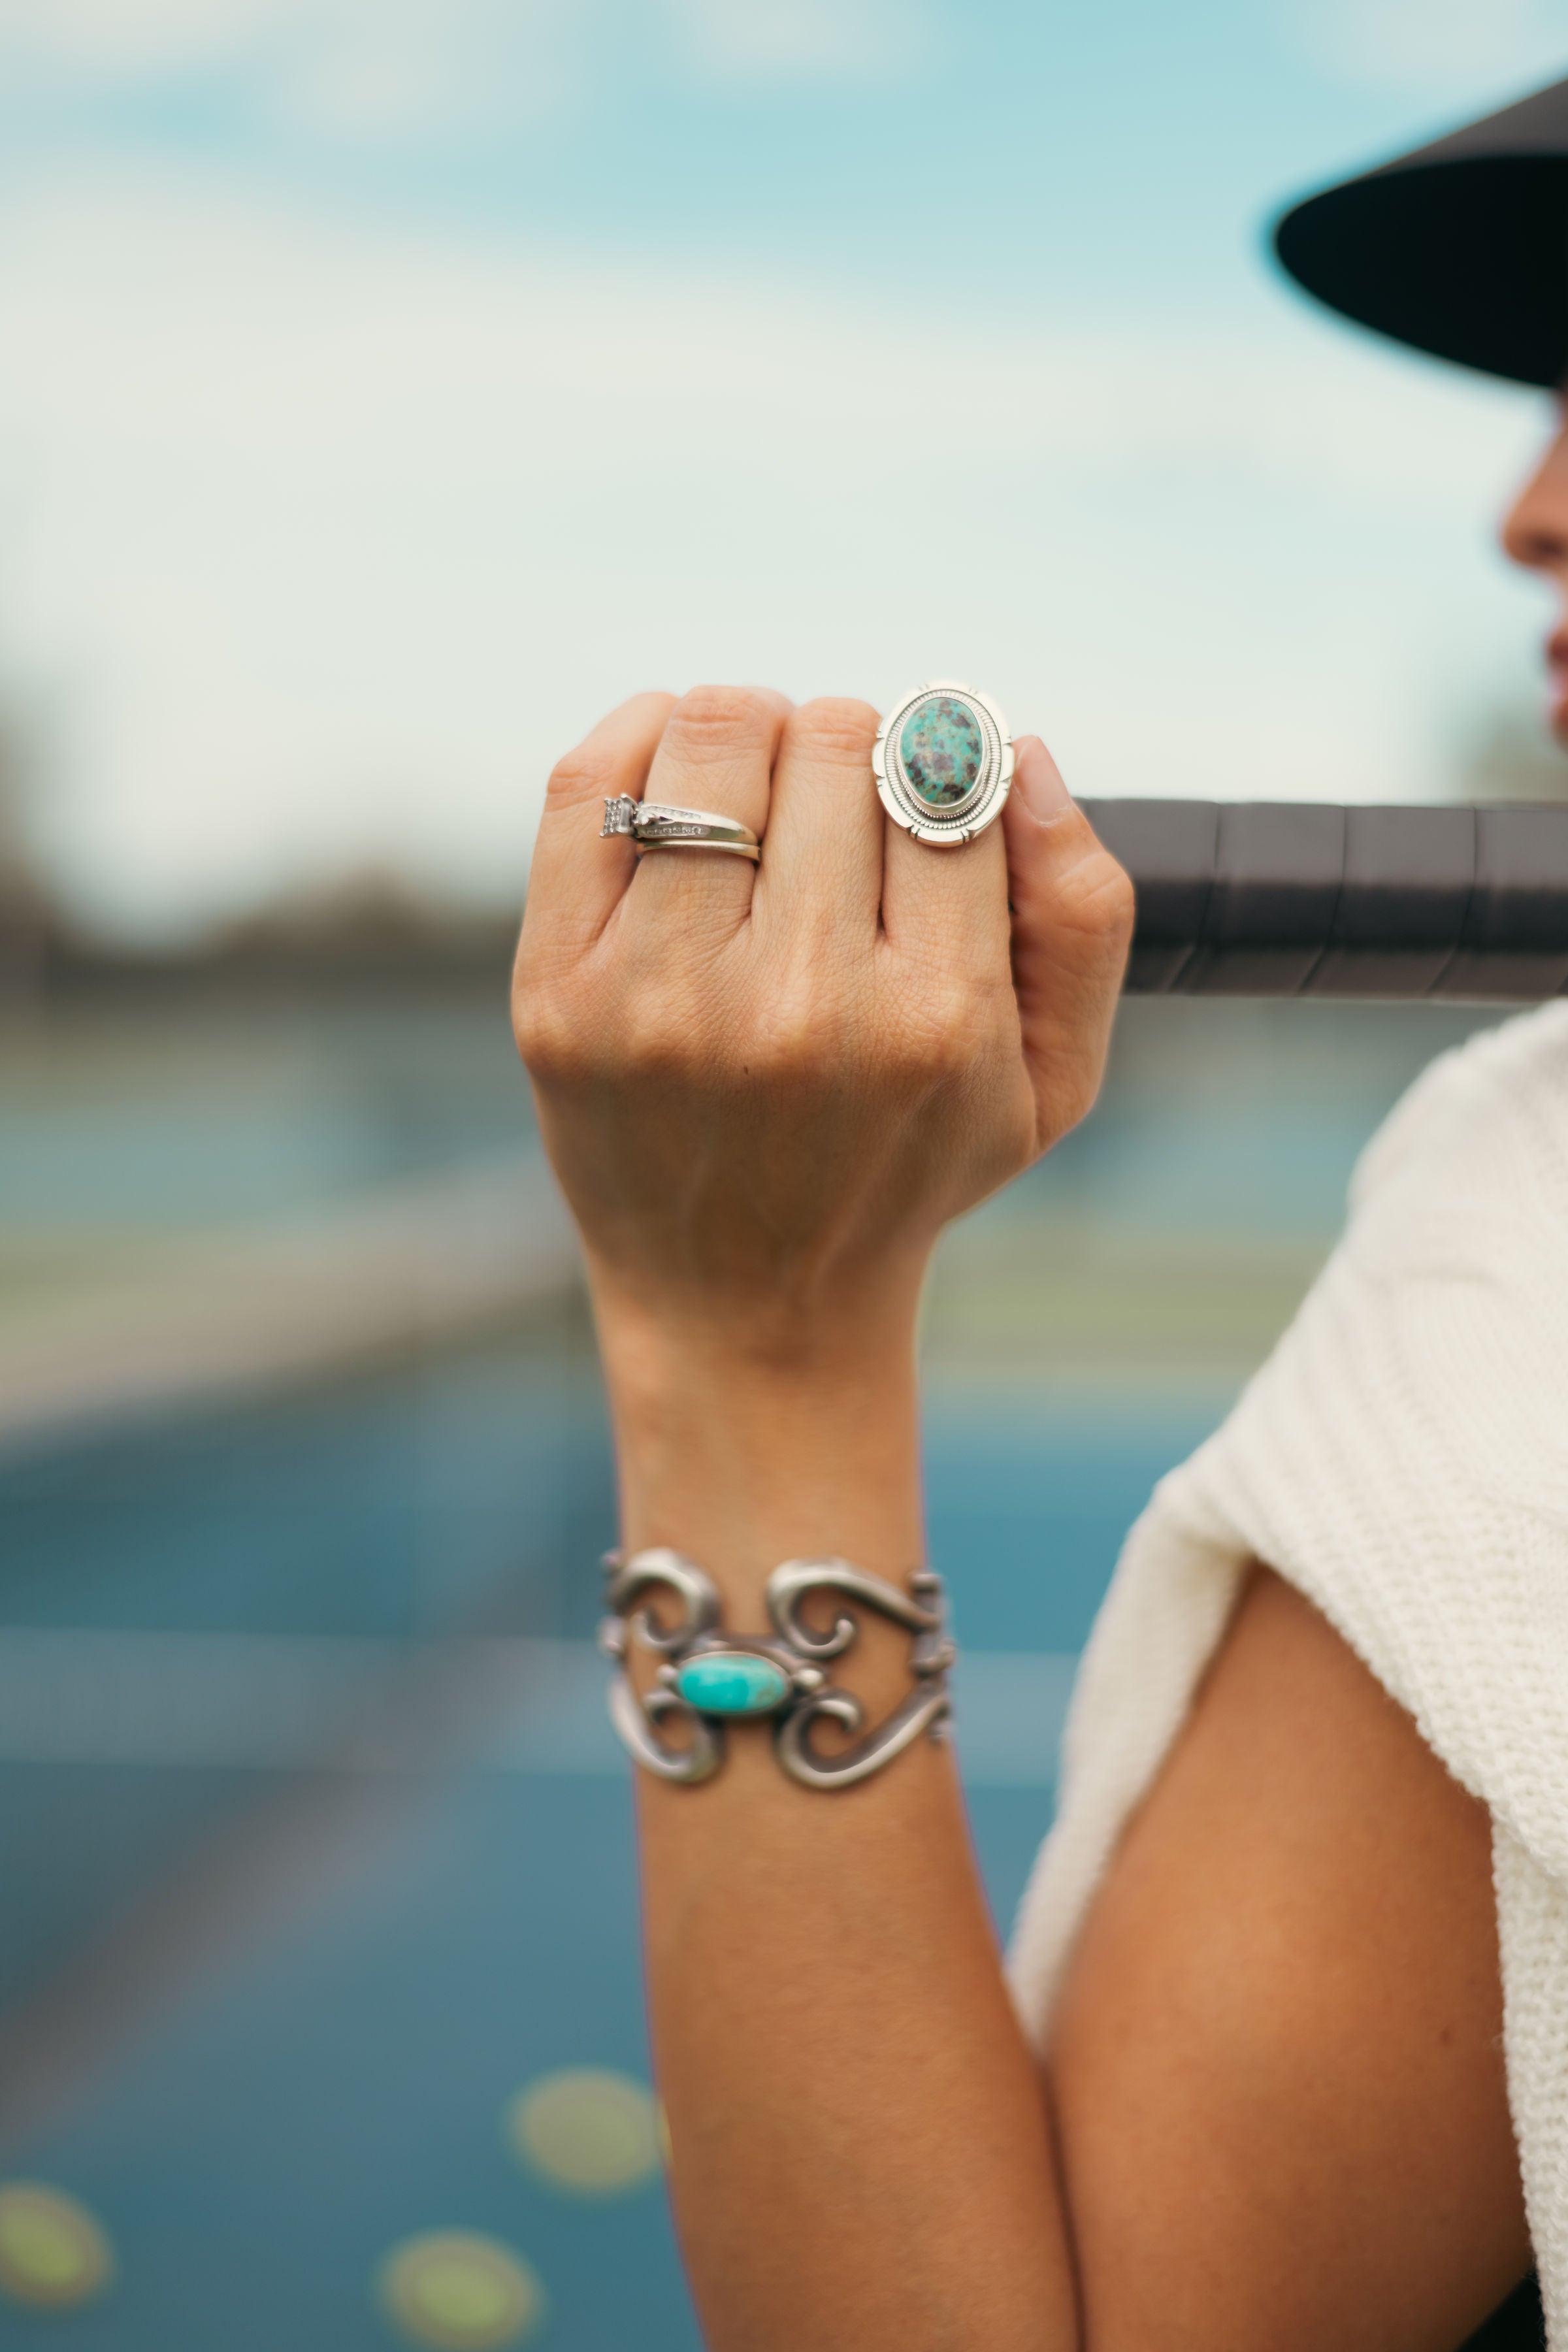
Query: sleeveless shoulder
[[1402, 1458]]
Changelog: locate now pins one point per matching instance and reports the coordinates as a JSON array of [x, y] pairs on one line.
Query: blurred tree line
[[363, 928]]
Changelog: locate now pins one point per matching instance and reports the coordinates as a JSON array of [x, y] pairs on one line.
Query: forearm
[[861, 2154], [765, 1088]]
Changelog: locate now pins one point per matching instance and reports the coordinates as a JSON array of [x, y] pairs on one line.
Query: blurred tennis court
[[319, 2018]]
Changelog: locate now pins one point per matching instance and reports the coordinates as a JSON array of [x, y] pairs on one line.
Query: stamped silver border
[[961, 823]]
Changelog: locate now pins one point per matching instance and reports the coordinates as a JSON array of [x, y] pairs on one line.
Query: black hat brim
[[1459, 249]]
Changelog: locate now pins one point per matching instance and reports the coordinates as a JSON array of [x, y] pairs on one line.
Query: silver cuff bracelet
[[708, 1679]]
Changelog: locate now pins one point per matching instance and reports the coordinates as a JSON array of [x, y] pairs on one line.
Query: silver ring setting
[[943, 763], [656, 825]]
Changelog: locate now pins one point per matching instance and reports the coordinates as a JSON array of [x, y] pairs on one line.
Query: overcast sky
[[389, 385]]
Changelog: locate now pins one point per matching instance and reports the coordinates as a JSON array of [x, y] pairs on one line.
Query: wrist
[[661, 1370], [769, 1339], [741, 1452]]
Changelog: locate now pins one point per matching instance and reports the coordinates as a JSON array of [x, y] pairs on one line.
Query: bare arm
[[1277, 2061], [764, 1096], [861, 2154]]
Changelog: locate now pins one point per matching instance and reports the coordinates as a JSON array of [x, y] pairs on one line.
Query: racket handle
[[1302, 899]]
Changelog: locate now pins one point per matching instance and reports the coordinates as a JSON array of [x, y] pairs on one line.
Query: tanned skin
[[1273, 2110]]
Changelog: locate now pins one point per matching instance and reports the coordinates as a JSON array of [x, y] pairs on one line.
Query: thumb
[[1072, 925]]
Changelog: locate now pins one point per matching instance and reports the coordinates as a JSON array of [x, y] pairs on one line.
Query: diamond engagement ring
[[943, 763], [653, 825]]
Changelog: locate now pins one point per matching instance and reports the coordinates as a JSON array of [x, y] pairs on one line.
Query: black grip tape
[[1292, 899]]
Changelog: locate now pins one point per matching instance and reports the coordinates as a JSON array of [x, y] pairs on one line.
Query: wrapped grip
[[1302, 899]]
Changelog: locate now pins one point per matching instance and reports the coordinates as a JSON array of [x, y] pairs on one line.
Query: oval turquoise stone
[[732, 1682], [943, 750]]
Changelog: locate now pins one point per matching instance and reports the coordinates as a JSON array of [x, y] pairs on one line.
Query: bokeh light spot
[[461, 2292], [587, 2130], [52, 2252]]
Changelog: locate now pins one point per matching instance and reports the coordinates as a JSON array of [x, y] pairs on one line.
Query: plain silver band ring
[[655, 824]]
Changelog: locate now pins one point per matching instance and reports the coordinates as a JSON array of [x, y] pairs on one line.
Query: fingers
[[716, 752], [823, 869], [1072, 926], [576, 879], [947, 904]]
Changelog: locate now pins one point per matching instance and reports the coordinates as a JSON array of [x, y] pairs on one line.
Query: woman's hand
[[764, 1093], [765, 1089]]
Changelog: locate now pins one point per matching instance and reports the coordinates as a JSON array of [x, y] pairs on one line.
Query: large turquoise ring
[[943, 763]]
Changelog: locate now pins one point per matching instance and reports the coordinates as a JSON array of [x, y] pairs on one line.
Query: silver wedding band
[[655, 824]]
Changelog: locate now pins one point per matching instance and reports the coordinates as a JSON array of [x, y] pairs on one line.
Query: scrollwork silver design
[[636, 1719], [788, 1586], [627, 1582], [796, 1647], [926, 1709], [928, 1706]]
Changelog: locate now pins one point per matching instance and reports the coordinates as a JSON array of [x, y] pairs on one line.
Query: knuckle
[[797, 1039], [664, 1035], [1115, 901], [945, 1028], [638, 1050], [546, 1039], [835, 727], [720, 719], [551, 1015], [584, 774]]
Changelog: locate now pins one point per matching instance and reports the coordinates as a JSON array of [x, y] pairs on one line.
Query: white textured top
[[1402, 1459]]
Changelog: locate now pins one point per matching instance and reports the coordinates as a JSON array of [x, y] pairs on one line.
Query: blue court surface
[[318, 1852]]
